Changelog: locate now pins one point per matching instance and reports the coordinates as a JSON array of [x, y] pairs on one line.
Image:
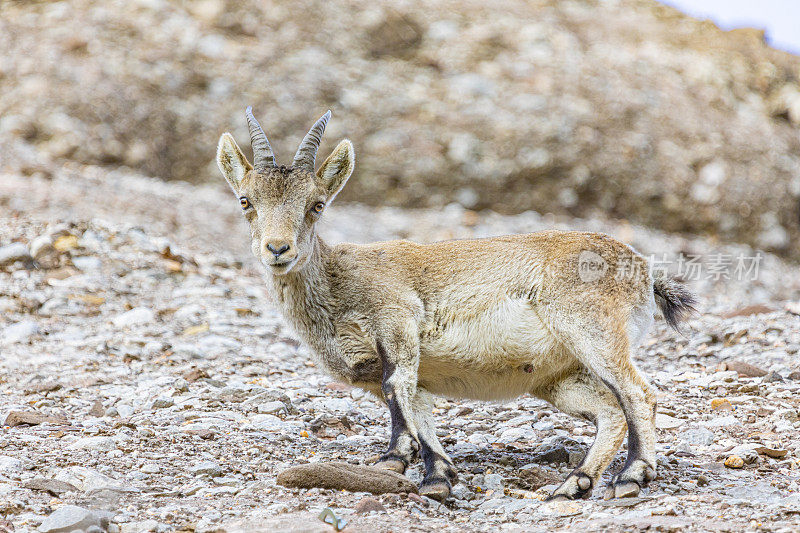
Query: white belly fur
[[498, 353]]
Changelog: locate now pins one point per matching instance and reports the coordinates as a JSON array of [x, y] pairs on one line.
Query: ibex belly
[[496, 352]]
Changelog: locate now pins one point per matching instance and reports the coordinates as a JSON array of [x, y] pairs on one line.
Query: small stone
[[65, 243], [734, 461], [533, 477], [97, 409], [698, 436], [195, 374], [11, 253], [20, 332], [137, 315], [747, 452], [369, 505], [745, 369], [556, 454], [53, 486], [721, 404], [150, 468], [101, 444], [272, 407], [721, 421], [89, 480], [69, 518], [207, 467], [10, 464], [493, 482], [124, 410], [561, 508], [343, 476], [163, 403], [772, 377], [517, 434], [667, 422], [43, 251], [33, 418], [87, 263]]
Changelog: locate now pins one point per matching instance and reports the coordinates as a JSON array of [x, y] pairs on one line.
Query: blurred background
[[629, 108]]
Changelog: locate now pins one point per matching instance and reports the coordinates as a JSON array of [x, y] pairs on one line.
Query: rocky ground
[[146, 379]]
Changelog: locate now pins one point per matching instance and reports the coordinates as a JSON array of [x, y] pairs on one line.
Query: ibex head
[[282, 204]]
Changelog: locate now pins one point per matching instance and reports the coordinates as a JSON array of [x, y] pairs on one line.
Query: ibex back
[[553, 314]]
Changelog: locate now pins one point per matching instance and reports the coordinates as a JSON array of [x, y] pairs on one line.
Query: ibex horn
[[262, 151], [307, 153]]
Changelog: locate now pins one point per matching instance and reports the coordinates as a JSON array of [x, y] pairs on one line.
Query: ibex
[[553, 314]]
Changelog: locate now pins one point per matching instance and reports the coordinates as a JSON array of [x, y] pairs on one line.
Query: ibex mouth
[[281, 267]]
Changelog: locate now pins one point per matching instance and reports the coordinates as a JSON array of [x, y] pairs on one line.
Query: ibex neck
[[303, 296]]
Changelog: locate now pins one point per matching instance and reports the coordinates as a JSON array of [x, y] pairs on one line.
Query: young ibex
[[554, 314]]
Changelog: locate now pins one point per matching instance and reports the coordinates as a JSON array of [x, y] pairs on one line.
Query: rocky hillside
[[572, 107]]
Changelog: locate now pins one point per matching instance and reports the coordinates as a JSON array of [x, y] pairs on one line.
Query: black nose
[[277, 251]]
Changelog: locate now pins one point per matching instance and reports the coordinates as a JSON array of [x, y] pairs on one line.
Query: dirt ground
[[147, 379]]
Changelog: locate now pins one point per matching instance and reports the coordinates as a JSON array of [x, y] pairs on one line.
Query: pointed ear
[[231, 161], [335, 171]]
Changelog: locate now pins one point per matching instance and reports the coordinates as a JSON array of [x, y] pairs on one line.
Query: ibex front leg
[[399, 354]]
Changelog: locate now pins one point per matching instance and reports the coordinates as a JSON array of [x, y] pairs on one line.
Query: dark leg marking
[[401, 444], [440, 473], [621, 484]]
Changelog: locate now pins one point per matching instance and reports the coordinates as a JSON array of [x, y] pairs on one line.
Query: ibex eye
[[245, 202], [318, 207]]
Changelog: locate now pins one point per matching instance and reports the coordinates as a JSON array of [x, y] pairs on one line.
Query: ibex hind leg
[[603, 346], [583, 395]]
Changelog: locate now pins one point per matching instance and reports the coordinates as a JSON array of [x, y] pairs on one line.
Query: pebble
[[20, 332], [721, 421], [101, 444], [560, 508], [272, 407], [698, 436], [137, 315], [667, 422], [53, 486], [369, 505], [343, 476], [11, 253], [10, 465], [70, 518], [151, 468], [87, 263], [517, 434], [734, 461], [163, 403], [208, 468]]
